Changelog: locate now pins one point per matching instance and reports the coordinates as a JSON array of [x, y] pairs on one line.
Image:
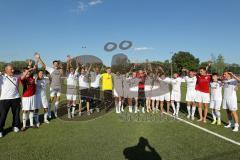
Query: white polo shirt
[[8, 89]]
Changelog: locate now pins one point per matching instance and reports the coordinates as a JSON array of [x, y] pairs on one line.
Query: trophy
[[37, 56]]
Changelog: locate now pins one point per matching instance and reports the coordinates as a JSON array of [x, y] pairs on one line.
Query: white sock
[[117, 107], [31, 118], [189, 110], [214, 115], [135, 108], [56, 107], [173, 107], [45, 116], [68, 109], [73, 109], [130, 108], [218, 114], [193, 110], [178, 107], [36, 117], [119, 104], [24, 119]]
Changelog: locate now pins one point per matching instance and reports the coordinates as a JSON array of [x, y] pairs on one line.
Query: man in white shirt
[[9, 98], [95, 77], [165, 92]]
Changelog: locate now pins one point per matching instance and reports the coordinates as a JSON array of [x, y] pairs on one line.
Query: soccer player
[[41, 97], [28, 97], [148, 90], [133, 90], [95, 77], [72, 80], [155, 94], [216, 98], [176, 93], [118, 91], [9, 97], [190, 80], [56, 73], [203, 93], [126, 88], [230, 99], [84, 86], [164, 92], [107, 87]]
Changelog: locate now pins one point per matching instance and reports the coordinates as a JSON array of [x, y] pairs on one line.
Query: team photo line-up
[[151, 85]]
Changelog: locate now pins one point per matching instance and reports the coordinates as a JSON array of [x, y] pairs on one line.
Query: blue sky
[[56, 28]]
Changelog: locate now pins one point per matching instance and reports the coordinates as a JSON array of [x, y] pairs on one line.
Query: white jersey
[[191, 82], [41, 86], [83, 81], [216, 91], [72, 80], [176, 84], [164, 85], [230, 89]]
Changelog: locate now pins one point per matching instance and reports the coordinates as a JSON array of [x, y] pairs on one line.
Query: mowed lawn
[[106, 137]]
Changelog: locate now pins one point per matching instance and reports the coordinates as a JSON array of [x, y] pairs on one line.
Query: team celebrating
[[139, 90]]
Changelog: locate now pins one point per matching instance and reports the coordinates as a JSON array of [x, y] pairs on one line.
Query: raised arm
[[38, 59], [234, 76]]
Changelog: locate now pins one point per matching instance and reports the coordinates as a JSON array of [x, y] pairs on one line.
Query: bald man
[[9, 98]]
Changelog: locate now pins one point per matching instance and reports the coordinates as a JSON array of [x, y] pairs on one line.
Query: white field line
[[206, 130]]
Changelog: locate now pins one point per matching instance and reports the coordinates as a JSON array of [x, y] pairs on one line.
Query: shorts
[[118, 93], [41, 101], [230, 104], [175, 96], [94, 93], [165, 97], [71, 97], [55, 92], [191, 95], [29, 103], [202, 97], [215, 104], [85, 94]]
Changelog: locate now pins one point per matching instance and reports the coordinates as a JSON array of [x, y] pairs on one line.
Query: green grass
[[106, 137]]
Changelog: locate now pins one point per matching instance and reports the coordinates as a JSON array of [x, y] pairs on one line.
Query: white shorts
[[71, 97], [165, 97], [215, 104], [202, 97], [41, 101], [175, 96], [29, 103], [230, 104], [55, 92], [191, 95]]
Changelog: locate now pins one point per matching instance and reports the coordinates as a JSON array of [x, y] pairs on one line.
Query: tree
[[219, 64], [184, 60]]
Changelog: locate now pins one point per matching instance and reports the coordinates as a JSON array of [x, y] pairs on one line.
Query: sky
[[57, 28]]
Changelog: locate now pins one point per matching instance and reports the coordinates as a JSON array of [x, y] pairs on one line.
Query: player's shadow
[[142, 151]]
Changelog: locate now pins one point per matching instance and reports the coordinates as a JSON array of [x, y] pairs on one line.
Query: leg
[[16, 107], [193, 110], [24, 119], [168, 106], [235, 117], [4, 108], [173, 107], [200, 111], [205, 112], [188, 109], [130, 104], [36, 116]]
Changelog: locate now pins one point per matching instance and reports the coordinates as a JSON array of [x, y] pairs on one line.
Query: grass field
[[111, 136]]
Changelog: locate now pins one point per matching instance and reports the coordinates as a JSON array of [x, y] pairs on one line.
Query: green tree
[[184, 60]]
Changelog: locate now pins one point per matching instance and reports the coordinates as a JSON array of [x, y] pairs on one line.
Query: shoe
[[80, 113], [88, 113], [219, 122], [228, 126], [97, 109], [1, 134], [122, 110], [214, 122], [15, 129], [72, 115], [188, 116], [235, 129], [46, 121], [55, 114], [38, 125], [23, 129], [174, 114]]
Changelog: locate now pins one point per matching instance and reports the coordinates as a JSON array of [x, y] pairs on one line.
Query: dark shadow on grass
[[142, 151]]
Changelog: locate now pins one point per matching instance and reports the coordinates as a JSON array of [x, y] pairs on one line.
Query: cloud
[[82, 7], [94, 2], [142, 48]]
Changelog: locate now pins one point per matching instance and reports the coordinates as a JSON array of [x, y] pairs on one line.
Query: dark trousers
[[5, 105], [108, 99], [95, 97]]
